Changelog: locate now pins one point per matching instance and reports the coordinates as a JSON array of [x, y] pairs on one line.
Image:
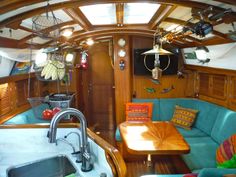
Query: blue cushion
[[206, 116], [155, 108], [215, 172], [29, 116], [202, 154], [18, 119], [194, 132], [34, 115], [117, 135], [167, 106], [224, 126]]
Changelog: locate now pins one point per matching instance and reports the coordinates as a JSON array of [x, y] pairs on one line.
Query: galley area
[[118, 88]]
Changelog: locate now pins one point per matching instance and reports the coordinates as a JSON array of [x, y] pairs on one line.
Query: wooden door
[[101, 88]]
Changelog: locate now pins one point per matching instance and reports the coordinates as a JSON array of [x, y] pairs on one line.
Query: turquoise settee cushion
[[206, 116], [28, 117], [224, 126], [215, 172], [194, 132], [167, 106], [18, 119], [202, 154], [155, 108]]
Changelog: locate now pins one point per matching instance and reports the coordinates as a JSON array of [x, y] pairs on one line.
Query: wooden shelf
[[16, 78]]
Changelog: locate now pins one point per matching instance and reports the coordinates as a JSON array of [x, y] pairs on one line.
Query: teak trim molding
[[211, 70]]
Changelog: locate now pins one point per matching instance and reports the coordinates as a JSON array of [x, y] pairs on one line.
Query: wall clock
[[121, 42]]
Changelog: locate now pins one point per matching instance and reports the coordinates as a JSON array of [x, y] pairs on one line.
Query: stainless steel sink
[[58, 166]]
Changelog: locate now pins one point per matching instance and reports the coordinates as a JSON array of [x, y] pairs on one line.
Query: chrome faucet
[[85, 150], [78, 153], [65, 141]]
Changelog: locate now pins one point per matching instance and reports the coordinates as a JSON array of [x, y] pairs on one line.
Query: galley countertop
[[19, 146]]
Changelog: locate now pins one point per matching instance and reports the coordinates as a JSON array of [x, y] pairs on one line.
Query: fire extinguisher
[[84, 60]]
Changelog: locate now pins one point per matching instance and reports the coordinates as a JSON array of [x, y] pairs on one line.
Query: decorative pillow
[[184, 117], [139, 112], [226, 153]]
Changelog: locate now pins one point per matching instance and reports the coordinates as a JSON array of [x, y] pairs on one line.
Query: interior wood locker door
[[101, 88]]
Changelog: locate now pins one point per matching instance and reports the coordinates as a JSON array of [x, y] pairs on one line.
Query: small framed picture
[[20, 68]]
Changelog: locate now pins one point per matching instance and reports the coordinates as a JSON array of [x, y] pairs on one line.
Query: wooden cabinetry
[[212, 85], [5, 99], [232, 93]]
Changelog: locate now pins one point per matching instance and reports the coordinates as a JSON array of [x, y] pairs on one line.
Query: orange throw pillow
[[138, 112]]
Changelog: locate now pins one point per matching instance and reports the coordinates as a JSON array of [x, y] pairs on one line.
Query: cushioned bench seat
[[203, 153], [213, 125], [28, 117]]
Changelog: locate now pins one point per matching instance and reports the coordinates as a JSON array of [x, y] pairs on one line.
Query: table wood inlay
[[153, 138]]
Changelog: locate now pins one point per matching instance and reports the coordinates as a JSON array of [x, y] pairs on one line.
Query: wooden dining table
[[160, 137]]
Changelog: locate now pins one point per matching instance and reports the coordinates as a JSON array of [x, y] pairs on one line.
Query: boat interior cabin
[[118, 88]]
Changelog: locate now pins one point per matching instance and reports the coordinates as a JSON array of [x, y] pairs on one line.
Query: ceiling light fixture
[[157, 50], [67, 32], [90, 42]]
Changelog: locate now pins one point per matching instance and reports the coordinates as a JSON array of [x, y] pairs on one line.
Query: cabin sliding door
[[100, 88]]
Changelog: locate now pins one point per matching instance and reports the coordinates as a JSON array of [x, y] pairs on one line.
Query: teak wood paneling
[[5, 99], [232, 93], [122, 78], [14, 93], [101, 98], [204, 84], [143, 84]]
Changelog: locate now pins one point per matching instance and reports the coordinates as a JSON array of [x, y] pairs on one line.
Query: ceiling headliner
[[116, 18]]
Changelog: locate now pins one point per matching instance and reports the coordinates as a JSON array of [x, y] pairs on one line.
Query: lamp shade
[[67, 32], [157, 50]]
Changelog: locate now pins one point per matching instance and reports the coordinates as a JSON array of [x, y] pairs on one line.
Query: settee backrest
[[29, 116], [225, 125], [155, 109]]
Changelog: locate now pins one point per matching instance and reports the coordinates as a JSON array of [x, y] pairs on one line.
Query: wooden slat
[[5, 99], [16, 78], [26, 29], [79, 17], [9, 43], [162, 13], [113, 31], [204, 84], [49, 29], [22, 93], [219, 87], [220, 35], [232, 93]]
